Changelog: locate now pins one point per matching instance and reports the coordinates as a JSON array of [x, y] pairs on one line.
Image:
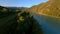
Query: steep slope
[[18, 23], [50, 8], [8, 21], [49, 16]]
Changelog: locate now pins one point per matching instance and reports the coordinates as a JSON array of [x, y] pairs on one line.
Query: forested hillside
[[18, 22]]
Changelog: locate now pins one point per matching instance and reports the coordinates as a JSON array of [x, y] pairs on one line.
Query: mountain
[[18, 23], [49, 8], [17, 8], [3, 7], [14, 8], [48, 16]]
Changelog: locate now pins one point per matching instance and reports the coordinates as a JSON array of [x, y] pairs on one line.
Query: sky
[[20, 3]]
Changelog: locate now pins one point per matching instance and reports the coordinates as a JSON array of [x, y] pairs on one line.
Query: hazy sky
[[20, 3]]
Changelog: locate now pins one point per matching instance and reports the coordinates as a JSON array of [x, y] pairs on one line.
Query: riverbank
[[50, 25]]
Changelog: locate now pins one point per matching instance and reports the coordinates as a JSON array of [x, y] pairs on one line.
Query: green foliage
[[18, 22], [8, 22], [29, 25]]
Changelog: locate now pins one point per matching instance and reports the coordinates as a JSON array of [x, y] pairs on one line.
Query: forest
[[18, 22]]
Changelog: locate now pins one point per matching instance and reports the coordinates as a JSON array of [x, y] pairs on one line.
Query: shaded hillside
[[18, 22], [17, 8], [50, 8], [8, 21], [27, 24]]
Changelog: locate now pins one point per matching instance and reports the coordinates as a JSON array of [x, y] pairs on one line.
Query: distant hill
[[17, 8], [3, 7], [50, 8], [14, 8]]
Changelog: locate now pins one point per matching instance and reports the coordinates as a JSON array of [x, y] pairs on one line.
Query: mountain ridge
[[50, 8]]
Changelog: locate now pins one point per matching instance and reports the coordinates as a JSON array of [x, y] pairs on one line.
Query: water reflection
[[50, 25]]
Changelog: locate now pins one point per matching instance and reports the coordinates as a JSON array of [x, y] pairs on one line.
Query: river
[[50, 25]]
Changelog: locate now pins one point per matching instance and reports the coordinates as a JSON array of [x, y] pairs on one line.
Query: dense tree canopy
[[18, 22]]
